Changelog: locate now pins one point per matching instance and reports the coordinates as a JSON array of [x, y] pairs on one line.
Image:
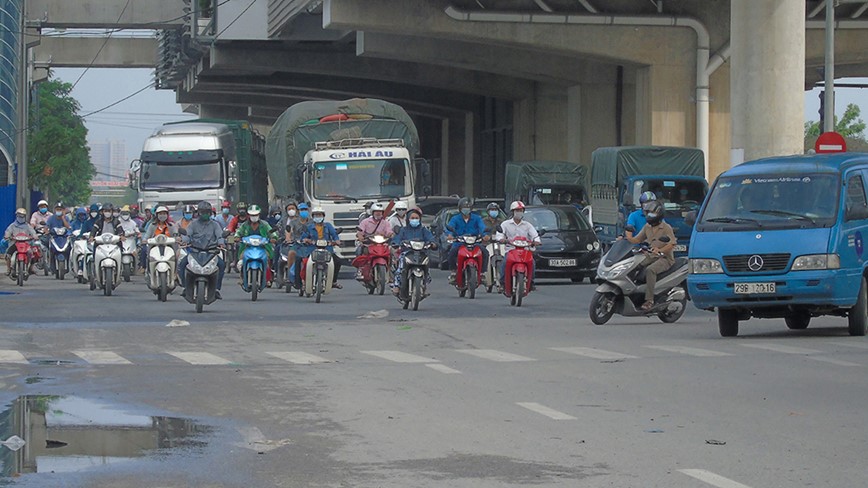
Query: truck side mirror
[[423, 175], [135, 166], [690, 218]]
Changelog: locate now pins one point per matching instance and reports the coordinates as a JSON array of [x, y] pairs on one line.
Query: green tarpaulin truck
[[545, 183]]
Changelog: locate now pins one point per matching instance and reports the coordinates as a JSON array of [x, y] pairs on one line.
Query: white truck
[[340, 155]]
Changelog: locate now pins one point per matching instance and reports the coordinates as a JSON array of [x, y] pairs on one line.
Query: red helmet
[[516, 205], [226, 204]]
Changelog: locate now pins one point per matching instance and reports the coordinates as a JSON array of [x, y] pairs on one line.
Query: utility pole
[[22, 191], [829, 100]]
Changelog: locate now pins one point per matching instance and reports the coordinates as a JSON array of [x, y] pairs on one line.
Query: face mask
[[125, 217], [304, 214], [19, 219], [58, 213], [107, 215], [493, 213], [518, 216], [43, 210], [225, 211], [378, 216], [205, 217], [276, 216], [242, 214], [188, 216], [115, 214], [254, 218], [401, 212], [162, 218], [652, 216], [318, 220], [291, 212], [415, 222], [465, 211]]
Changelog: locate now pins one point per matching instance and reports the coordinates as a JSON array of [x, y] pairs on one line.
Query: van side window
[[855, 203]]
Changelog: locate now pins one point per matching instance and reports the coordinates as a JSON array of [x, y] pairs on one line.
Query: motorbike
[[130, 247], [107, 262], [319, 271], [375, 264], [161, 266], [254, 264], [20, 271], [622, 286], [79, 254], [518, 271], [414, 275], [40, 253], [285, 274], [491, 278], [469, 273], [59, 249], [231, 252], [201, 276]]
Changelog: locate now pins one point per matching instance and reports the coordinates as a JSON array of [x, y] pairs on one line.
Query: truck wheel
[[727, 322], [857, 319], [798, 321]]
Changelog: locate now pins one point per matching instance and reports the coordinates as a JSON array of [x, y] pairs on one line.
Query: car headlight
[[816, 261], [705, 266], [596, 245]]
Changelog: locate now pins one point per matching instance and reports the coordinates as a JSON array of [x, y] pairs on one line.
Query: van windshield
[[772, 201]]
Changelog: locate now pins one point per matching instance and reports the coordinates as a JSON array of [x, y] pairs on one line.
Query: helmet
[[493, 206], [22, 212], [290, 203], [161, 208], [273, 209], [368, 204], [108, 206], [59, 205], [240, 206], [653, 212], [465, 203], [225, 204], [415, 210], [204, 206], [125, 208], [254, 210], [516, 205], [401, 205], [303, 206], [41, 203], [188, 209], [317, 210], [647, 196], [94, 207], [134, 208], [377, 207], [80, 211]]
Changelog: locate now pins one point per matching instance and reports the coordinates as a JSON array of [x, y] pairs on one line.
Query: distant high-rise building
[[10, 36], [109, 158]]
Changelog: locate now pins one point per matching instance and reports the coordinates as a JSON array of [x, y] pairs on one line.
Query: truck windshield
[[369, 179], [676, 195], [772, 201], [558, 195], [186, 175]]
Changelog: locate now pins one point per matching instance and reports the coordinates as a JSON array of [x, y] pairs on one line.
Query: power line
[[131, 95], [92, 61]]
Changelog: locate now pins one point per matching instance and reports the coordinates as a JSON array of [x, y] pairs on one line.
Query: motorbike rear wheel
[[200, 296], [416, 292], [91, 277], [163, 291], [602, 307], [471, 280], [108, 276], [380, 278], [520, 284], [319, 284], [668, 317], [127, 272], [61, 270], [253, 283], [22, 269]]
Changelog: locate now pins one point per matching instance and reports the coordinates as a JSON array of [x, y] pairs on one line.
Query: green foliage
[[850, 125], [57, 145]]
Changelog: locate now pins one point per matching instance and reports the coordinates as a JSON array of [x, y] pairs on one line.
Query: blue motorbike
[[254, 263], [59, 249]]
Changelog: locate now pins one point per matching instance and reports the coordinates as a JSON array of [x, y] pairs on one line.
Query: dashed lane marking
[[712, 478], [544, 410], [298, 357], [443, 369], [498, 356], [691, 351], [594, 353], [782, 348], [101, 357], [199, 358], [400, 357], [834, 361]]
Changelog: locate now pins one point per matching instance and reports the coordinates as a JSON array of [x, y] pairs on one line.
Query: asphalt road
[[462, 393]]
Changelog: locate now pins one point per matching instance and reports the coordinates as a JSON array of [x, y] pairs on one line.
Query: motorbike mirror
[[690, 218], [450, 228], [500, 229], [226, 233], [542, 232], [630, 228], [665, 239], [182, 231], [339, 230], [598, 229]]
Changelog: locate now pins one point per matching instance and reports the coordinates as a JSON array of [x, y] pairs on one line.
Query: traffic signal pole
[[829, 89]]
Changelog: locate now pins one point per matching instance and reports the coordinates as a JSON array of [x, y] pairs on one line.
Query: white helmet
[[401, 205], [161, 208], [377, 207], [41, 203], [516, 205], [317, 210]]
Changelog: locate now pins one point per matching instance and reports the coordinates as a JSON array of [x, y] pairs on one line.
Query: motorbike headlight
[[417, 245], [816, 261], [107, 238], [705, 266]]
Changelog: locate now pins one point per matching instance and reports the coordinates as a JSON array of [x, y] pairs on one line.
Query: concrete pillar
[[720, 126], [574, 123], [469, 154], [551, 122], [523, 129], [768, 76], [665, 112], [444, 157]]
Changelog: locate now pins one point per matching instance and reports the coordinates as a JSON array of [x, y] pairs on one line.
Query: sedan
[[569, 246]]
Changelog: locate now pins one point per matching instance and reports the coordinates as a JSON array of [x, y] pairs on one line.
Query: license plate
[[562, 263], [680, 248], [755, 288]]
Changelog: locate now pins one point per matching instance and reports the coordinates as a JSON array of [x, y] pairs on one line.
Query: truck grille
[[348, 220], [748, 263]]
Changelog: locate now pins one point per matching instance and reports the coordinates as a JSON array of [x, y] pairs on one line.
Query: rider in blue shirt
[[317, 229], [413, 231], [637, 217], [466, 223]]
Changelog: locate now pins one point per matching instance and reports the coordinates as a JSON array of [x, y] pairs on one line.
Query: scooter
[[414, 275], [491, 278], [375, 264], [231, 252], [23, 257], [469, 273], [78, 255], [59, 249], [107, 259], [130, 247], [283, 272], [40, 253], [622, 286], [319, 271], [161, 266], [201, 276], [254, 263], [518, 271]]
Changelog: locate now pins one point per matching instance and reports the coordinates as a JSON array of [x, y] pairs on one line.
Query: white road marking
[[8, 356], [443, 369], [691, 351], [593, 353], [400, 357], [101, 357], [857, 345], [543, 410], [783, 349], [254, 439], [298, 357], [492, 355], [712, 478], [833, 361], [199, 358]]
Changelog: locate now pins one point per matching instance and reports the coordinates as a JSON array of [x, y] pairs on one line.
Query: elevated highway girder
[[102, 14], [118, 52]]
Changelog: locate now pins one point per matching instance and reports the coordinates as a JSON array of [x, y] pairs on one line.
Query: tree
[[850, 125], [57, 144]]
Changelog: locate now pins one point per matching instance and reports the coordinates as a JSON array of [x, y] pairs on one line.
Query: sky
[[133, 120]]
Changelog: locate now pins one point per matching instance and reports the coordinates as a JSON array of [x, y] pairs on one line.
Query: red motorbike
[[469, 270], [375, 264], [518, 270], [24, 255]]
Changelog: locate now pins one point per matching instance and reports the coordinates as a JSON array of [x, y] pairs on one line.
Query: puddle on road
[[66, 434]]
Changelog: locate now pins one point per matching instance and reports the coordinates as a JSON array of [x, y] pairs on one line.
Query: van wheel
[[858, 317], [727, 322], [798, 321]]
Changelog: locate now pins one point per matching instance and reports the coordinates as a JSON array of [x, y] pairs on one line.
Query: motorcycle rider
[[240, 217], [637, 217], [127, 223], [40, 217], [256, 226], [79, 220], [225, 214], [202, 233], [57, 219], [493, 218], [320, 229], [414, 231], [376, 224], [273, 216], [93, 216], [367, 212], [19, 226], [107, 224], [661, 257], [162, 226], [463, 224], [187, 217], [399, 219], [517, 227], [296, 226]]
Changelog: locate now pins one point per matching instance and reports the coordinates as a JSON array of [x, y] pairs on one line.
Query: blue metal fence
[[7, 206]]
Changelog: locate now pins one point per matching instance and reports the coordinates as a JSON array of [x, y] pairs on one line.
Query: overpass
[[492, 80]]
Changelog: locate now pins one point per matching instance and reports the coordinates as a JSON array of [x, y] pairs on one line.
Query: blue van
[[784, 238]]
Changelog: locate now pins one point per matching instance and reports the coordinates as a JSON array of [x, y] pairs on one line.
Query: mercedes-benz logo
[[755, 262]]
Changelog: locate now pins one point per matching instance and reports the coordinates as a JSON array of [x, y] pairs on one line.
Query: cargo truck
[[545, 183]]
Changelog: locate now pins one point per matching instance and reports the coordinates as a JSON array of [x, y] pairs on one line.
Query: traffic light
[[822, 111]]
